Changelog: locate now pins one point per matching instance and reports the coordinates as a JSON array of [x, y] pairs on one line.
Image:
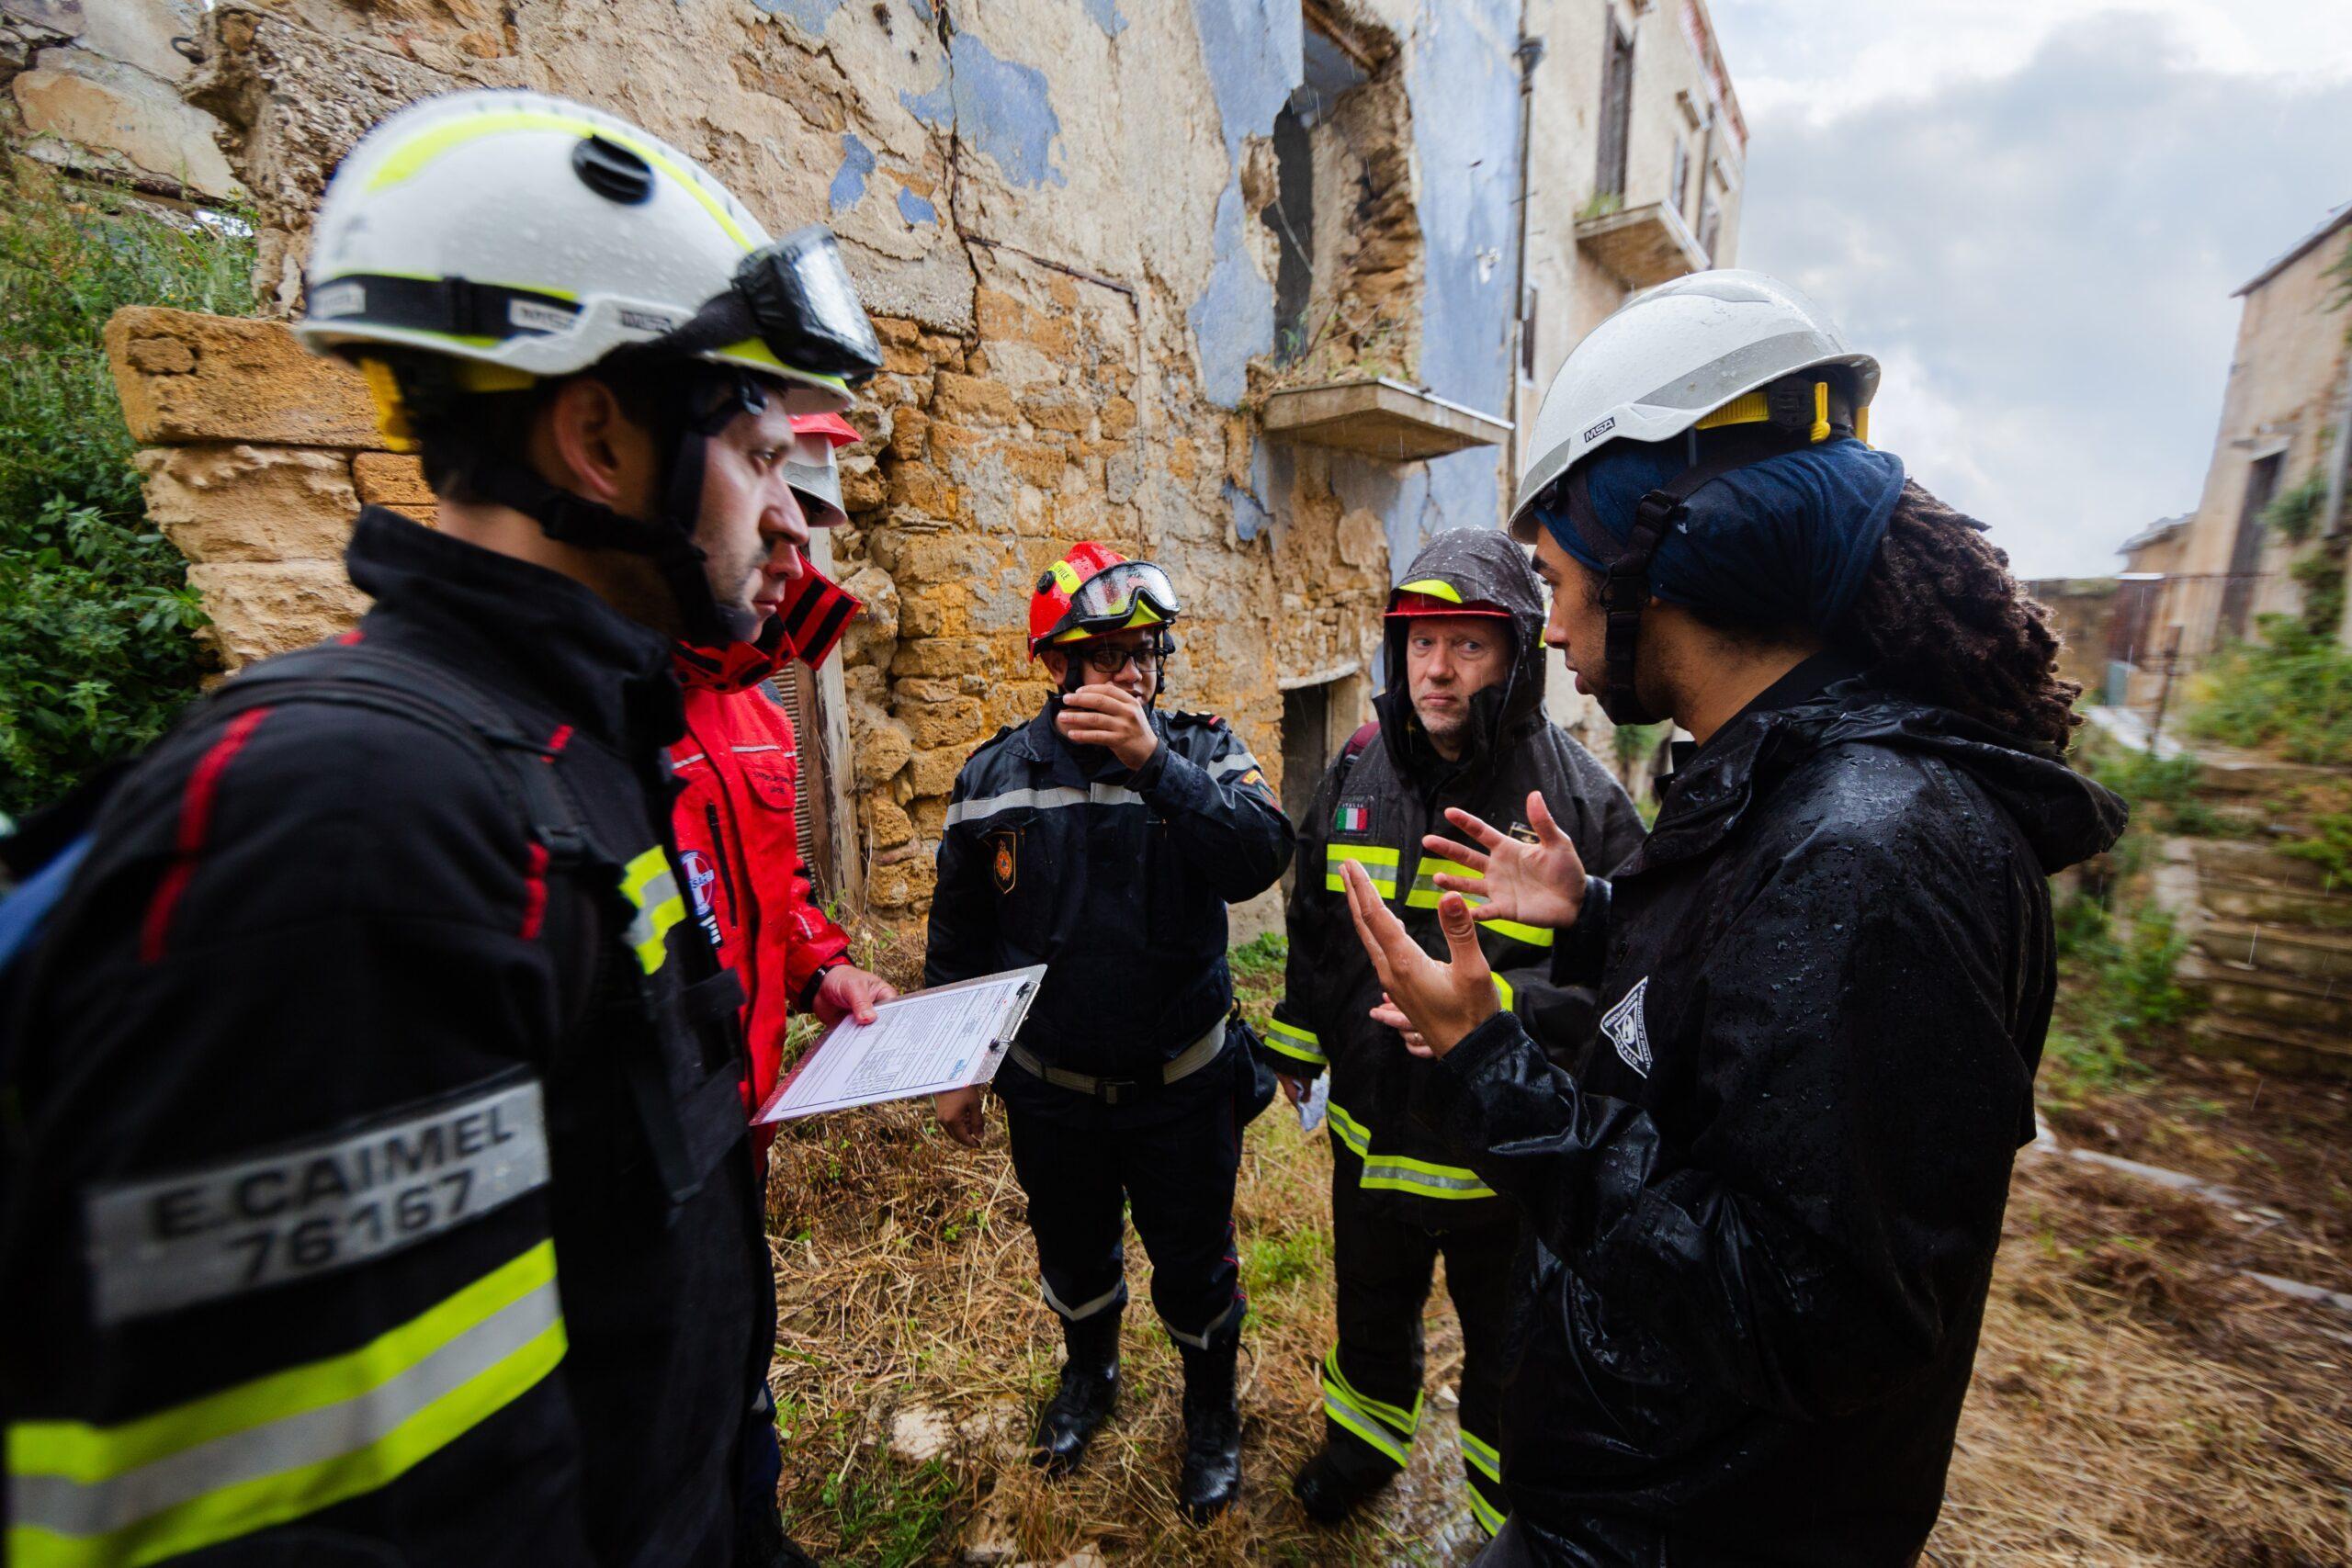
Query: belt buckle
[[1110, 1090]]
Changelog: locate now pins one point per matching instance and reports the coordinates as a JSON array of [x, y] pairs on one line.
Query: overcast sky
[[2033, 212]]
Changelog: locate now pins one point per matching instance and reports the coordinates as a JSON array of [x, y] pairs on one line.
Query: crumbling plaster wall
[[1055, 213]]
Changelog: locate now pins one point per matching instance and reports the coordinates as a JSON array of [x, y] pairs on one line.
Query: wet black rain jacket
[[1116, 880], [379, 1191], [1764, 1210], [1373, 808]]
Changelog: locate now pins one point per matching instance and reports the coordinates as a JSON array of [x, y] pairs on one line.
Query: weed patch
[[2290, 694], [94, 610]]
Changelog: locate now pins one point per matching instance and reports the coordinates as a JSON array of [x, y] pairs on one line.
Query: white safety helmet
[[534, 236], [1695, 354]]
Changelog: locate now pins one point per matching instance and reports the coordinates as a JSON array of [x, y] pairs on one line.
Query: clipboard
[[924, 1043]]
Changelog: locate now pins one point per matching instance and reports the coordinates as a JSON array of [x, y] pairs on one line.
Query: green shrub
[[2321, 577], [1260, 961], [2294, 514], [2291, 693], [2329, 847], [96, 655], [2117, 990]]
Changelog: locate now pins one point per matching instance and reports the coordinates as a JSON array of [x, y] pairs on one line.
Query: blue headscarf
[[1785, 542]]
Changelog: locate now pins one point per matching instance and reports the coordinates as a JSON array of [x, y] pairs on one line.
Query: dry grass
[[2135, 1402]]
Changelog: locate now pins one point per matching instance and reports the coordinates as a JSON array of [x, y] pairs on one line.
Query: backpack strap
[[1358, 744]]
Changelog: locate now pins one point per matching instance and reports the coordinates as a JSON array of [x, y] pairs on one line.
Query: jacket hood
[[1476, 563], [2065, 817], [807, 627]]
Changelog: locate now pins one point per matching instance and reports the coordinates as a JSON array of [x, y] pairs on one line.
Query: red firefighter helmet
[[1435, 596], [1094, 590]]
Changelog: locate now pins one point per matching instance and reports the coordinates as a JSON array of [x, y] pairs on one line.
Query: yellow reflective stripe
[[1481, 1455], [1534, 936], [49, 1460], [1348, 1130], [1503, 992], [409, 158], [1369, 1431], [1394, 1417], [1435, 587], [1379, 864], [1293, 1041], [1490, 1518], [648, 884], [1402, 1173]]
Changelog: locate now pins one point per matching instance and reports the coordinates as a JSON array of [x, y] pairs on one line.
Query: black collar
[[517, 628]]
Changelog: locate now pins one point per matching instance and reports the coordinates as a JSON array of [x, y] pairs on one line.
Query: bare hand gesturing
[[1540, 883]]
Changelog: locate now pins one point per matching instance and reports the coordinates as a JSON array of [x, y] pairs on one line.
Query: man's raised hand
[[1540, 883]]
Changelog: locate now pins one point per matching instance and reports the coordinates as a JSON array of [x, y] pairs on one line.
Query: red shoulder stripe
[[196, 821]]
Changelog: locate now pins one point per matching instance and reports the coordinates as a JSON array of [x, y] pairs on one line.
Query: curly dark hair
[[1940, 616]]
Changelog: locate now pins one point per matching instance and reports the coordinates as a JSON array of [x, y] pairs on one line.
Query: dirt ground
[[2138, 1399]]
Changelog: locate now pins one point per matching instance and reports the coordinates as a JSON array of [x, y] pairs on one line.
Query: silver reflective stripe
[[1201, 1341], [1073, 1313], [659, 889], [79, 1508], [765, 746], [1234, 765], [196, 1236], [1039, 800]]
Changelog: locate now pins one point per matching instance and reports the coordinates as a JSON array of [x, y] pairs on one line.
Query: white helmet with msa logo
[[532, 236], [1695, 354]]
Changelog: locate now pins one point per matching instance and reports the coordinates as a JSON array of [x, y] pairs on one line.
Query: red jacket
[[736, 765]]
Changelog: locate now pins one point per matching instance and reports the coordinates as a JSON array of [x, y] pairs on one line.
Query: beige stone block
[[105, 105], [920, 487], [245, 381], [940, 656], [929, 818], [933, 725], [250, 503], [958, 396], [1118, 418], [886, 826], [899, 884], [879, 745], [259, 608], [148, 34], [389, 479], [934, 773], [1059, 410]]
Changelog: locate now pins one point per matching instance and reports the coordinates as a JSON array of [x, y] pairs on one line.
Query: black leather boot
[[1335, 1484], [1212, 1477], [1089, 1392]]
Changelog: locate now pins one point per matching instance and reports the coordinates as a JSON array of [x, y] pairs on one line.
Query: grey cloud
[[2052, 252]]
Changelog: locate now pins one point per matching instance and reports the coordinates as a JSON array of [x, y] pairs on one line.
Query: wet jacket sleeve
[[962, 943], [1314, 921], [284, 1191], [1821, 1235], [1220, 811]]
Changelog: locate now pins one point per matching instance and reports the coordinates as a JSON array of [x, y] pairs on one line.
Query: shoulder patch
[[1628, 1031]]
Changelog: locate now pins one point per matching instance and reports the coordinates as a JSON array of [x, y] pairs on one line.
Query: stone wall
[[1069, 222]]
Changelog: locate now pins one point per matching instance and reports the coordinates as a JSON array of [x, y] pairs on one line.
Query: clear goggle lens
[[1109, 598], [806, 309]]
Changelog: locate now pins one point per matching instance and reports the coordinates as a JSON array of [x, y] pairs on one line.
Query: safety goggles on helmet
[[1115, 596], [796, 297]]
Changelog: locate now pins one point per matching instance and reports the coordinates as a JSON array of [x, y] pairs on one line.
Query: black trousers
[[1372, 1379], [1171, 1160]]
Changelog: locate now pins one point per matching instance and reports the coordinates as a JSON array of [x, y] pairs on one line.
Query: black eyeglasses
[[1149, 659]]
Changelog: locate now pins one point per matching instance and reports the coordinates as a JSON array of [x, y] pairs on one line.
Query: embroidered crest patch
[[1625, 1028], [1524, 834], [1006, 865]]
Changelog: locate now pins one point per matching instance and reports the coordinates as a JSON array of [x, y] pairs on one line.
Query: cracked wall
[[1058, 214]]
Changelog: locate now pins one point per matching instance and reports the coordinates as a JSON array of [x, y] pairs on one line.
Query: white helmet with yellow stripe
[[532, 237], [1703, 352]]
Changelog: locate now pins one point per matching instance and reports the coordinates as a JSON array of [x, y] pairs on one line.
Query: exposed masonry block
[[241, 381], [250, 503], [886, 825], [259, 608], [387, 478]]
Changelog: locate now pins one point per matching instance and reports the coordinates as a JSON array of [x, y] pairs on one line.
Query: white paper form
[[948, 1037]]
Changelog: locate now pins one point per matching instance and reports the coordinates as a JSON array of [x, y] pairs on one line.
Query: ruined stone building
[[2194, 583], [1259, 288]]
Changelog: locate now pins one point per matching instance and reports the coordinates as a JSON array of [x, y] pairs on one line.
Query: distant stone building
[[1259, 288], [2195, 583]]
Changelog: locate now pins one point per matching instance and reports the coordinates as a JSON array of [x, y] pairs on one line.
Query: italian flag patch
[[1352, 819]]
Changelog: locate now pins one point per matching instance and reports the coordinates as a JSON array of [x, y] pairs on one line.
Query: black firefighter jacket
[[1374, 809], [1115, 881], [1764, 1210], [339, 1236]]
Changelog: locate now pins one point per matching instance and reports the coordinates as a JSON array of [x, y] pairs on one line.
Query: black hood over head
[[1476, 564]]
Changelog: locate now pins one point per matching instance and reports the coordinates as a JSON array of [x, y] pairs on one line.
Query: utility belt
[[1125, 1091]]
